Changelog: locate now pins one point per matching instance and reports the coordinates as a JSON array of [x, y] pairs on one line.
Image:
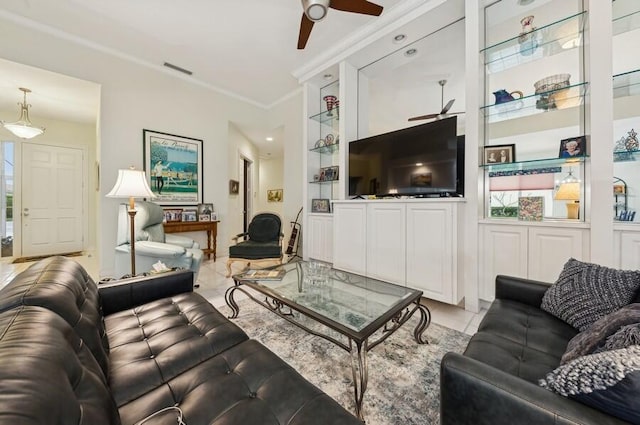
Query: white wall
[[239, 147], [67, 134], [136, 97], [270, 177], [289, 114]]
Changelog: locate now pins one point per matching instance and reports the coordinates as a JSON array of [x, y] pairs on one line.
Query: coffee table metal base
[[358, 350]]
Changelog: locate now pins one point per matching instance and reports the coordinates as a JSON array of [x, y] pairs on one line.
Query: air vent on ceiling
[[177, 68]]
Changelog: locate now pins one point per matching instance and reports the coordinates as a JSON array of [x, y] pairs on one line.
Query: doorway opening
[[7, 158]]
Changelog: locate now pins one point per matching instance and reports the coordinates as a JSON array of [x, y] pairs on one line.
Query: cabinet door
[[320, 238], [386, 234], [431, 264], [630, 251], [551, 247], [503, 250], [350, 237]]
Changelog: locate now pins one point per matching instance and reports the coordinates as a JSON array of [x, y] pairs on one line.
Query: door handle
[[26, 212]]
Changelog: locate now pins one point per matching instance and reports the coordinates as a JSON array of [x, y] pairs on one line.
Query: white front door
[[52, 200]]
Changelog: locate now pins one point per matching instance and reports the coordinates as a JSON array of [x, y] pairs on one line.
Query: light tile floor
[[213, 284]]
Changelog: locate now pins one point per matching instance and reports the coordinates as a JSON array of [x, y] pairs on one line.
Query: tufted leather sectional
[[495, 381], [73, 353]]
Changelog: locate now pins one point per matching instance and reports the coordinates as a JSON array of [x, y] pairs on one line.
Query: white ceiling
[[230, 45]]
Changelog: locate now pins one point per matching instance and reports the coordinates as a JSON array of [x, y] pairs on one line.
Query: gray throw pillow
[[596, 336], [585, 292], [608, 381]]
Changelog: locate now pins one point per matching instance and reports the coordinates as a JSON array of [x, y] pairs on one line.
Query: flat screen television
[[425, 160]]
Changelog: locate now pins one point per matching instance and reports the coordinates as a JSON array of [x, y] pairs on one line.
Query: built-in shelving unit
[[535, 100]]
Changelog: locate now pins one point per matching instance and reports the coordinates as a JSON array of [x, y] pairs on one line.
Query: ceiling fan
[[316, 10], [445, 109]]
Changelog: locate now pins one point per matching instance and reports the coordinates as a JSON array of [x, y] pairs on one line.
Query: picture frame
[[205, 209], [204, 217], [329, 173], [530, 208], [499, 154], [320, 206], [173, 166], [189, 215], [573, 147], [274, 195], [234, 187], [172, 215]]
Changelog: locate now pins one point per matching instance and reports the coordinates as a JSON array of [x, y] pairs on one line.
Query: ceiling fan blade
[[424, 117], [357, 6], [447, 106], [306, 25]]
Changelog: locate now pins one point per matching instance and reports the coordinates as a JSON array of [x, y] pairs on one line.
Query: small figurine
[[631, 141]]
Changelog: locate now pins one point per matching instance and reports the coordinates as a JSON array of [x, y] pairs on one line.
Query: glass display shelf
[[545, 41], [625, 22], [626, 84], [532, 165], [327, 149], [626, 156], [564, 98], [327, 116], [325, 181]]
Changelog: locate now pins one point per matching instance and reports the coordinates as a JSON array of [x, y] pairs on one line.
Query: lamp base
[[573, 210]]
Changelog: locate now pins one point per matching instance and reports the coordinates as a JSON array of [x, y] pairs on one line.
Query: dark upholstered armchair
[[262, 245]]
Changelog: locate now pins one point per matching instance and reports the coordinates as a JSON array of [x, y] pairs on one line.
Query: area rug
[[40, 257], [404, 377]]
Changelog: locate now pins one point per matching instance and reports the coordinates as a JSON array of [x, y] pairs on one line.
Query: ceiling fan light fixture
[[315, 10], [23, 127]]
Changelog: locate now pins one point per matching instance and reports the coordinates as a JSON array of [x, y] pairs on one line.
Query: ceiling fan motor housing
[[315, 10]]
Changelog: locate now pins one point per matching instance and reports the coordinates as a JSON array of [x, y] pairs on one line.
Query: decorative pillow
[[585, 292], [595, 337], [608, 381]]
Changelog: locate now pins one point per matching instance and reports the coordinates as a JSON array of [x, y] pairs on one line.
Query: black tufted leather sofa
[[495, 381], [73, 353]]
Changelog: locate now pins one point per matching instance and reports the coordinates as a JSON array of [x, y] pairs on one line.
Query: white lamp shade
[[131, 184], [568, 192]]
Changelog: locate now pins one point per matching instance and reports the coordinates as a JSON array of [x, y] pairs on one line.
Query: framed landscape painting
[[174, 168]]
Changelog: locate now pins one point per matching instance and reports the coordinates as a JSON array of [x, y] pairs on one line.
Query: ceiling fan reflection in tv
[[444, 112]]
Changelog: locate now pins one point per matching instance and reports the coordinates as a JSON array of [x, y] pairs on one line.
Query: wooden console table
[[211, 227]]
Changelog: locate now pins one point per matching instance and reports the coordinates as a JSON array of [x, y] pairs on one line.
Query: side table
[[211, 227]]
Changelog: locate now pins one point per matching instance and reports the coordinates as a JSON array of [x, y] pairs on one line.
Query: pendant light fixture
[[23, 127]]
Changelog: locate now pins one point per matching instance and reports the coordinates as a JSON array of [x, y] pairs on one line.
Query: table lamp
[[131, 184], [569, 190]]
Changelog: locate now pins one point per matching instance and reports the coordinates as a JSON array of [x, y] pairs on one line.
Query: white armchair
[[152, 244]]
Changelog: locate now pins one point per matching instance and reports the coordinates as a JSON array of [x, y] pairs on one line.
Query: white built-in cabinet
[[320, 232], [350, 237], [533, 252], [412, 243], [627, 247]]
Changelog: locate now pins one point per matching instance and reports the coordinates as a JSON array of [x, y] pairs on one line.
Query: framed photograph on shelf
[[274, 195], [204, 217], [205, 209], [234, 187], [499, 154], [329, 173], [173, 165], [573, 147], [189, 215], [173, 214], [320, 205]]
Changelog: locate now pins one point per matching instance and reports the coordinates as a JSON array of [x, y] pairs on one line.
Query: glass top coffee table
[[366, 311]]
